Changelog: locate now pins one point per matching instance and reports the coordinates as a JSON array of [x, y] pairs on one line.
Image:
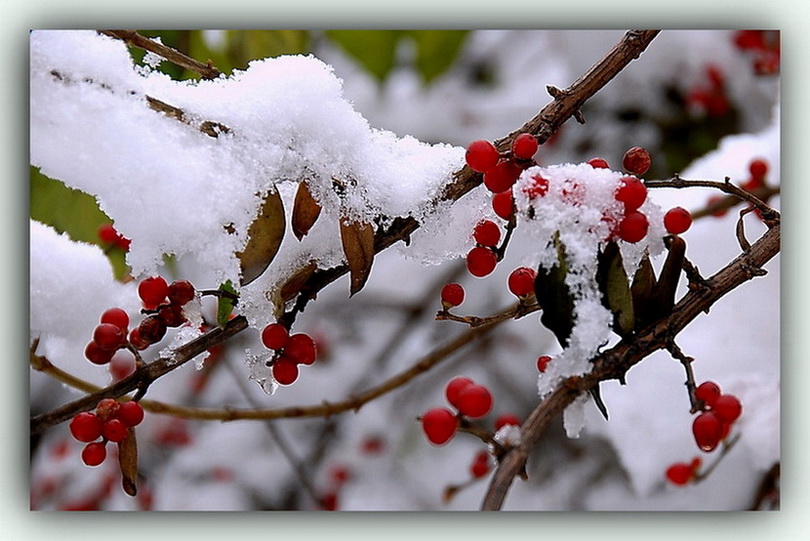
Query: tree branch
[[207, 71]]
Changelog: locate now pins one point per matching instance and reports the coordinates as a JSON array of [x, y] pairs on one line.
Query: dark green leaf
[[226, 303], [554, 296], [264, 238], [375, 50], [436, 50], [613, 283]]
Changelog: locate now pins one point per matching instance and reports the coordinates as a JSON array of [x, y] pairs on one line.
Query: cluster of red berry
[[682, 473], [765, 47], [110, 236], [469, 399], [291, 350], [757, 171], [480, 465], [111, 421], [710, 99], [718, 414]]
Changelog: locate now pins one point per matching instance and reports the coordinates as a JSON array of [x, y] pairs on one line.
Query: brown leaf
[[305, 211], [294, 283], [358, 245], [264, 239], [643, 291], [128, 460], [670, 275]]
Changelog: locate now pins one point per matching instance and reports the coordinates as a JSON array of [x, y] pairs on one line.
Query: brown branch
[[614, 363], [131, 37]]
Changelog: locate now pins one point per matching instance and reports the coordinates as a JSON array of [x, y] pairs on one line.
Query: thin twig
[[207, 71]]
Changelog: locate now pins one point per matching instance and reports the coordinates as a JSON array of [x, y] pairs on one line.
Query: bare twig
[[207, 71]]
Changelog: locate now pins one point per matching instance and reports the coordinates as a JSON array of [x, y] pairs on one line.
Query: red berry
[[107, 408], [708, 392], [135, 339], [680, 473], [122, 365], [285, 371], [172, 315], [716, 200], [339, 474], [107, 234], [180, 292], [632, 192], [452, 295], [633, 227], [86, 427], [636, 161], [506, 419], [108, 336], [487, 233], [728, 407], [152, 329], [524, 146], [153, 291], [598, 163], [501, 177], [439, 425], [758, 169], [481, 261], [538, 188], [480, 464], [521, 282], [115, 430], [96, 354], [117, 317], [481, 156], [94, 454], [454, 388], [708, 430], [474, 401], [131, 413], [300, 348], [274, 336], [542, 363], [677, 220], [504, 204]]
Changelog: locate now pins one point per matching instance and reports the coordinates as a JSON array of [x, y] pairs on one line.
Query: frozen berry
[[633, 227], [707, 429], [115, 316], [131, 413], [598, 163], [487, 233], [481, 261], [135, 339], [153, 291], [708, 392], [506, 419], [481, 156], [636, 161], [542, 363], [108, 336], [180, 292], [115, 430], [94, 454], [504, 204], [677, 220], [524, 146], [285, 371], [521, 282], [439, 425], [107, 408], [86, 427], [96, 354], [728, 407], [301, 348], [474, 401], [274, 336], [537, 188], [632, 192], [152, 329], [452, 295], [501, 177], [454, 388]]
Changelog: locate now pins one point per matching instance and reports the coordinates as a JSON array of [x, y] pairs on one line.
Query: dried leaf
[[615, 288], [642, 291], [305, 211], [358, 245], [294, 283], [670, 274], [128, 461], [554, 297], [596, 394], [264, 239]]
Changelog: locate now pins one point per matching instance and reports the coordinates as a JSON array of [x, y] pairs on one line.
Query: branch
[[614, 363], [207, 71]]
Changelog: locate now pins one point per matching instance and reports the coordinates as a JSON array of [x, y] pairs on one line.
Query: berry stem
[[725, 447], [676, 352]]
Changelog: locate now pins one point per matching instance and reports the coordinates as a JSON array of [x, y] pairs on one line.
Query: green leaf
[[613, 283], [436, 51], [375, 50], [226, 303], [554, 296]]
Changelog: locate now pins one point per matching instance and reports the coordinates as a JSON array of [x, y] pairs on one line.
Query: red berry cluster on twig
[[467, 397], [718, 413], [110, 422], [291, 350]]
